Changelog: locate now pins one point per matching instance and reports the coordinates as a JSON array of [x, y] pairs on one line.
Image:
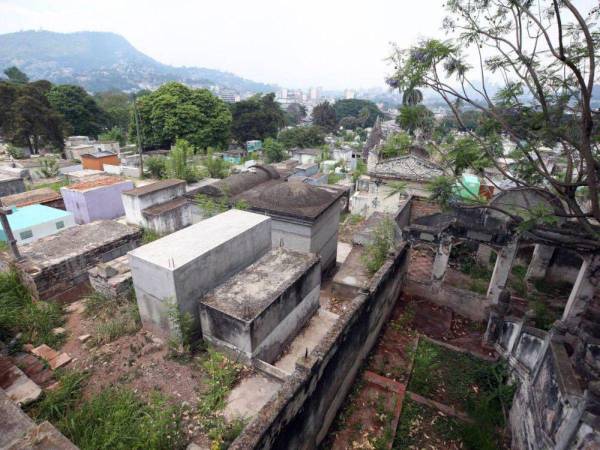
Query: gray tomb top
[[245, 295]]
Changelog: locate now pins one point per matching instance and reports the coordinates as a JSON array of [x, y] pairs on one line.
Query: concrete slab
[[307, 339], [343, 250], [249, 396]]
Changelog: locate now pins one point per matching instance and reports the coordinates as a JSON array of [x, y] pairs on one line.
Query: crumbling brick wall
[[57, 277]]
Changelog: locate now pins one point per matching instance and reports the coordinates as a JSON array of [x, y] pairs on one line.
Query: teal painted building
[[32, 222], [253, 146]]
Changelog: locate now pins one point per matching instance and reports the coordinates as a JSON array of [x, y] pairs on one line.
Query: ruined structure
[[112, 279], [53, 266]]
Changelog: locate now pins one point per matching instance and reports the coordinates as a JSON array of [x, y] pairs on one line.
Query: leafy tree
[[117, 107], [14, 75], [417, 117], [324, 116], [258, 117], [363, 110], [27, 119], [302, 137], [295, 113], [178, 162], [273, 150], [545, 50], [114, 134], [215, 166], [397, 144], [176, 111], [79, 109]]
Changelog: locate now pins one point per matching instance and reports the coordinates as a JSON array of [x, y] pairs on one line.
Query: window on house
[[60, 224], [26, 234]]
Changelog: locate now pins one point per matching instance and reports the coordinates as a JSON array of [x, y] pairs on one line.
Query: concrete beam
[[504, 263], [540, 260], [586, 284]]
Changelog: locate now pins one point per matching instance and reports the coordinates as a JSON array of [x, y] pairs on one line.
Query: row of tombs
[[245, 295]]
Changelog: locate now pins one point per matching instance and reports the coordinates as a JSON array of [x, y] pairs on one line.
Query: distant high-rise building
[[314, 94], [349, 94], [228, 95]]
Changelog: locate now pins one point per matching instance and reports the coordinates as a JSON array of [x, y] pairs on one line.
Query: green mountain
[[101, 61]]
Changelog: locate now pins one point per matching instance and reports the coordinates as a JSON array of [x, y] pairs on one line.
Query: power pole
[[139, 140], [12, 242]]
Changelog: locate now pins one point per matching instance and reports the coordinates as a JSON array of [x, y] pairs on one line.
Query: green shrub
[[156, 166], [49, 167], [376, 252], [20, 314]]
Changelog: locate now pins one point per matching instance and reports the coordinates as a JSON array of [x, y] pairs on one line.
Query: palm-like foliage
[[411, 97]]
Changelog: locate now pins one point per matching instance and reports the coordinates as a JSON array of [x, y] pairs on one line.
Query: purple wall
[[101, 203]]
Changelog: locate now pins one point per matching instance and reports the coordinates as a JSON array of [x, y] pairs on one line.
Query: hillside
[[101, 61]]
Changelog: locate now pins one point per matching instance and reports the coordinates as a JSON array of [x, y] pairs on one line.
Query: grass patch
[[221, 376], [19, 313], [113, 418], [418, 422], [516, 281], [114, 317], [475, 386], [55, 185], [149, 235]]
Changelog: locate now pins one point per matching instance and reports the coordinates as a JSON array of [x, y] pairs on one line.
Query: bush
[[273, 151], [156, 166], [20, 314], [177, 165], [377, 250], [49, 167], [215, 166]]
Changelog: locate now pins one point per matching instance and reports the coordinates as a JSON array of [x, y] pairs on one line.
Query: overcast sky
[[331, 43]]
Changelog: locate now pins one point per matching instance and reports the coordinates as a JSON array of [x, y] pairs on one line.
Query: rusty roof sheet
[[95, 183], [42, 195]]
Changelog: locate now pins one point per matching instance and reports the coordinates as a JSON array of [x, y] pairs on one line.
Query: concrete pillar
[[540, 260], [440, 263], [484, 253], [504, 263], [588, 280]]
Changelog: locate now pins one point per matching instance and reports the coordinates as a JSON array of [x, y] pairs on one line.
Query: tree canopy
[[302, 137], [273, 150], [364, 111], [117, 106], [27, 118], [79, 109], [175, 111], [295, 113], [323, 115], [258, 117], [415, 117], [545, 51]]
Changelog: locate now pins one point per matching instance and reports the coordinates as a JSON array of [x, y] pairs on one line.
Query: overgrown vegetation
[[149, 235], [55, 186], [49, 167], [114, 317], [19, 313], [222, 374], [113, 418], [382, 242], [474, 386]]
